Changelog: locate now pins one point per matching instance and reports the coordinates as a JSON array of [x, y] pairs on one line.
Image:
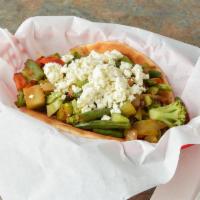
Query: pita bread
[[101, 47]]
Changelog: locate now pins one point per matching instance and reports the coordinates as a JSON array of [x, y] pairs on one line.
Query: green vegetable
[[76, 54], [103, 124], [126, 59], [173, 114], [116, 117], [156, 87], [53, 96], [114, 133], [76, 95], [46, 86], [128, 109], [74, 119], [53, 107], [64, 111], [155, 105], [148, 101], [93, 114], [146, 68], [20, 99], [123, 59], [57, 55], [150, 82], [32, 71], [75, 108], [34, 97], [145, 65], [153, 90], [89, 116], [80, 83], [164, 87], [154, 74]]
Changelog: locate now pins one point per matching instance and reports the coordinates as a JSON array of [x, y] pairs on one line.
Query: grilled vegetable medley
[[106, 93]]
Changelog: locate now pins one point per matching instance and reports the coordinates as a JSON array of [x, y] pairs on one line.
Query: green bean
[[88, 116], [153, 90], [113, 133], [93, 114], [72, 120], [52, 97], [75, 107], [148, 100], [154, 74], [103, 124], [149, 82], [20, 99], [57, 55], [126, 59], [164, 87]]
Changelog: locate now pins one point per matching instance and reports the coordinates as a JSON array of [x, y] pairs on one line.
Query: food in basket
[[105, 90]]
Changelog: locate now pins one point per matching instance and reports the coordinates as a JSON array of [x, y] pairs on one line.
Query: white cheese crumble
[[106, 85], [106, 117], [53, 72], [63, 97], [139, 75], [31, 96], [76, 89], [67, 58]]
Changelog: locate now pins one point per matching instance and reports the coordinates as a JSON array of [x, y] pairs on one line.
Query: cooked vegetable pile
[[106, 93]]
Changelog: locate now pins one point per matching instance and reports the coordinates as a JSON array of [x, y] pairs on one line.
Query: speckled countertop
[[179, 19]]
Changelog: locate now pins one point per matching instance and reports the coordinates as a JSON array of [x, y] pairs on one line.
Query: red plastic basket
[[186, 146]]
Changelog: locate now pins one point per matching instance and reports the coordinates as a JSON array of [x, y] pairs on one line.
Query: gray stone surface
[[179, 19]]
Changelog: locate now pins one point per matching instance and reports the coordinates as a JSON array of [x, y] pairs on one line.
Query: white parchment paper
[[39, 163]]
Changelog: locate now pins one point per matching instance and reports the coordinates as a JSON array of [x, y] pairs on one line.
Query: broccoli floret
[[174, 114]]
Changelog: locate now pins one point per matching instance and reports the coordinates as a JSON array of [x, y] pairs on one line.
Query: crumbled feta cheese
[[53, 72], [107, 85], [115, 109], [106, 117], [76, 89], [114, 54], [137, 89], [127, 73], [67, 58], [95, 55], [31, 96], [63, 97], [64, 69], [130, 98], [139, 75], [61, 85], [125, 65]]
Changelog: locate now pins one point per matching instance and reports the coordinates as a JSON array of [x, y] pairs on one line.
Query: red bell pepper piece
[[43, 60], [38, 61], [20, 81]]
